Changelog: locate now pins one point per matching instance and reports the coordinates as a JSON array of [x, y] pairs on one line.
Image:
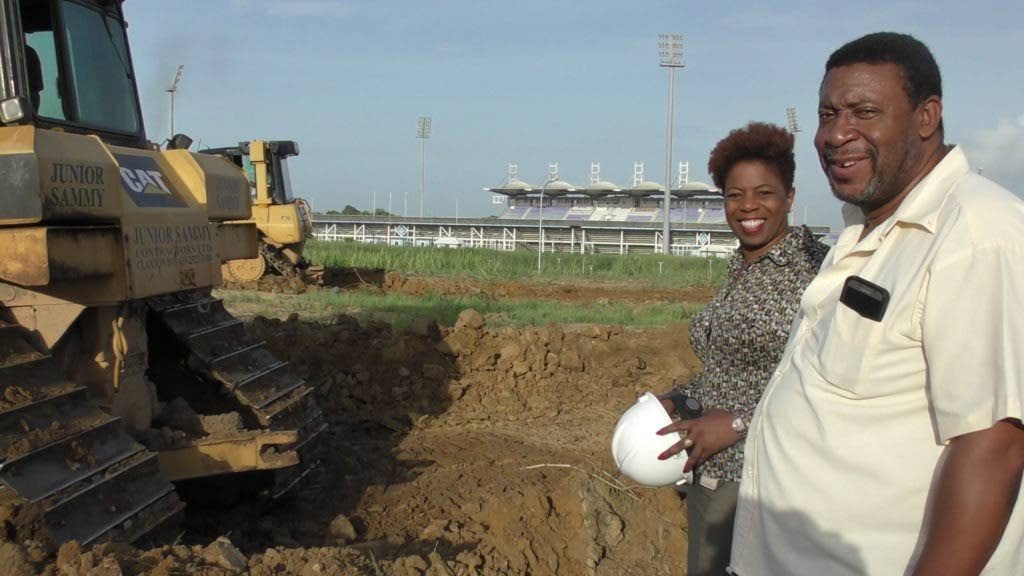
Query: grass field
[[485, 264], [634, 271]]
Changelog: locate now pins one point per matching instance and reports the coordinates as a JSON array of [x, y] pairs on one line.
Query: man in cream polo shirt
[[889, 440]]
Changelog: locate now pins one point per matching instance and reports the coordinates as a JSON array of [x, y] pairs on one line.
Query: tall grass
[[485, 264]]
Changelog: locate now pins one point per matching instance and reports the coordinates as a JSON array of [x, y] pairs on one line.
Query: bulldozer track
[[61, 452], [219, 348], [311, 275], [277, 262]]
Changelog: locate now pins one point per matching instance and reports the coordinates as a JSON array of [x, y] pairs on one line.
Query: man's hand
[[702, 437], [978, 484]]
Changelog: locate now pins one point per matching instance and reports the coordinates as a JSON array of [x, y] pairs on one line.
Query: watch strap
[[687, 407]]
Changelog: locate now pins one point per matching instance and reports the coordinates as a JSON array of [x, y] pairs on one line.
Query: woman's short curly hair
[[768, 143]]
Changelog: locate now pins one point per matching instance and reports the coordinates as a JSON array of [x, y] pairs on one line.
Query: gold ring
[[687, 443]]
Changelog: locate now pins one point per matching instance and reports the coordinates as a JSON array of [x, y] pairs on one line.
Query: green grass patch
[[401, 310], [485, 264]]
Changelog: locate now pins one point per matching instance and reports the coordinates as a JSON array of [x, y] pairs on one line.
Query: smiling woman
[[741, 333], [754, 167]]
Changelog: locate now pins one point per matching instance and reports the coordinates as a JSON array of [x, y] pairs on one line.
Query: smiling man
[[889, 439]]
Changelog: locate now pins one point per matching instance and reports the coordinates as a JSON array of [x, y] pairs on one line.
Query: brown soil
[[275, 284], [561, 291], [450, 451]]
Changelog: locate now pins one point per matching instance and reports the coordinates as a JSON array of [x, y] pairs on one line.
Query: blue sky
[[539, 81]]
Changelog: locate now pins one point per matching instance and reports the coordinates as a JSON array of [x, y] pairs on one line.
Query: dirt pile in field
[[486, 447], [331, 279], [590, 292], [377, 280], [460, 450], [270, 283], [218, 558]]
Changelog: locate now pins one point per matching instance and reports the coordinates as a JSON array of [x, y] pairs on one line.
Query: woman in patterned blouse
[[740, 335]]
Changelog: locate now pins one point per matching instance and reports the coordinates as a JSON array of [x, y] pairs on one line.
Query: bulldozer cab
[[66, 65], [265, 162]]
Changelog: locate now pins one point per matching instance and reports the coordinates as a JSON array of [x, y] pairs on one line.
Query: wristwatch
[[738, 425]]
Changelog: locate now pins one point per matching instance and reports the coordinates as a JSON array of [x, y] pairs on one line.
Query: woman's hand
[[702, 437]]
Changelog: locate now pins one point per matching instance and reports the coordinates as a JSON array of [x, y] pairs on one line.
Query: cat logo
[[144, 183]]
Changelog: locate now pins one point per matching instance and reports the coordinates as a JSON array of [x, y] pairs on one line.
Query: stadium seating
[[615, 214], [580, 213], [552, 212], [713, 216], [515, 213]]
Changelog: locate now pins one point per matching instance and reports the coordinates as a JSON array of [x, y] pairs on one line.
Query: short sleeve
[[973, 335]]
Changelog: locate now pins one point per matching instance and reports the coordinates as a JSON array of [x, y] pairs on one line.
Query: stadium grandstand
[[603, 201], [557, 216]]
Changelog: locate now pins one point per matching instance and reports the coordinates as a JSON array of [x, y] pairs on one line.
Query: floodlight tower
[[172, 90], [552, 177], [682, 179], [670, 54], [791, 122], [422, 132], [794, 128]]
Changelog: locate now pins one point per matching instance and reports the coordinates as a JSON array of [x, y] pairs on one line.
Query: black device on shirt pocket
[[865, 298]]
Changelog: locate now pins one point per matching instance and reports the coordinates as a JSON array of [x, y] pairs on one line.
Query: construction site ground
[[472, 449]]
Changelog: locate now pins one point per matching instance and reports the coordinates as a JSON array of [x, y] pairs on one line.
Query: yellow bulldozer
[[121, 377], [283, 222]]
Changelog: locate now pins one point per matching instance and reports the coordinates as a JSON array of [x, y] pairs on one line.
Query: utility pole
[[422, 132], [172, 90], [670, 54]]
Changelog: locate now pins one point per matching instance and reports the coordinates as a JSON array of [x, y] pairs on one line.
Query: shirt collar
[[781, 254]]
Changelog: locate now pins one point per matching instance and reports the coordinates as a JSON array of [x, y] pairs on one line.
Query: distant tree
[[333, 212], [381, 212], [350, 211]]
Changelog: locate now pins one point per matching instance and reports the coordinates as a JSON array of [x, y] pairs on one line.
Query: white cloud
[[999, 152], [330, 8]]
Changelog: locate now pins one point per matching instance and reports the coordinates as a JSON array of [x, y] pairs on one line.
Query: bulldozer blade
[[247, 452]]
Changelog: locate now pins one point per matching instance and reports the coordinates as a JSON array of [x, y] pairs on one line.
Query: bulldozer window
[[280, 182], [100, 75], [41, 58], [88, 57], [250, 173]]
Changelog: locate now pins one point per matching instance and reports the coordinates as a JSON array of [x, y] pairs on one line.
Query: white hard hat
[[636, 445]]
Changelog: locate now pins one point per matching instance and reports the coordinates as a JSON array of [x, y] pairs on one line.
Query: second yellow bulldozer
[[283, 222]]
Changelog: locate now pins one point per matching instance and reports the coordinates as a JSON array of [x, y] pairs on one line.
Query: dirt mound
[[377, 280], [562, 291], [270, 283], [490, 446], [331, 279], [450, 450]]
